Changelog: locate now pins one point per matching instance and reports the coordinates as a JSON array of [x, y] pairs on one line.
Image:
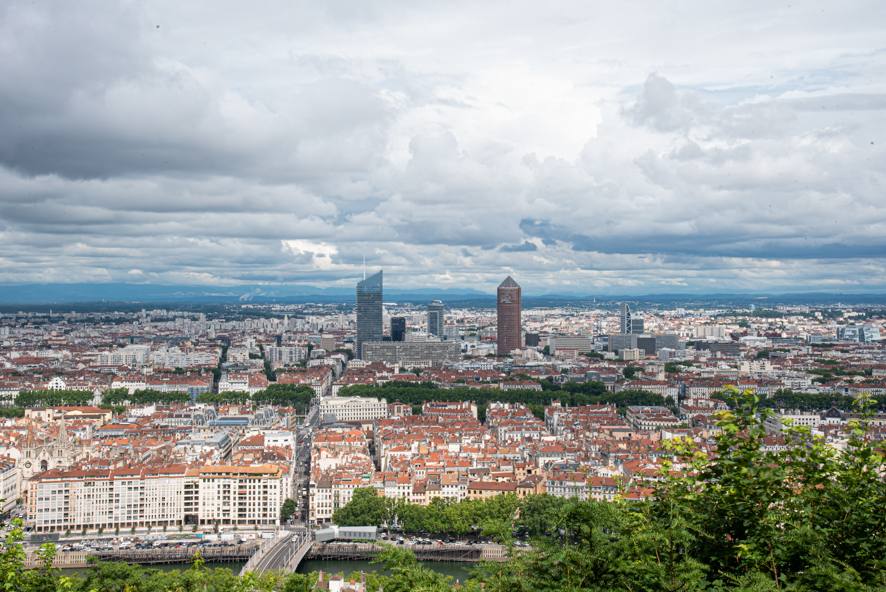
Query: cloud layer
[[578, 147]]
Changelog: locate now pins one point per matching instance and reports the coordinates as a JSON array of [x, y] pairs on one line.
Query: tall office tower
[[398, 328], [435, 318], [369, 312], [625, 315], [509, 316], [631, 324]]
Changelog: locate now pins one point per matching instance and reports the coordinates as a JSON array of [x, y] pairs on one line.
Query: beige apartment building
[[173, 495]]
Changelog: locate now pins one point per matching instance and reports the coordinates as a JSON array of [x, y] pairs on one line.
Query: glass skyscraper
[[630, 322], [435, 318], [398, 328], [369, 312]]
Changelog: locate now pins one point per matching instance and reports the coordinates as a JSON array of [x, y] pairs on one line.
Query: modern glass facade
[[631, 324], [435, 318], [369, 312], [398, 328]]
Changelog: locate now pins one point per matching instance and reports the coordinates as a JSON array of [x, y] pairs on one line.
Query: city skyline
[[686, 148]]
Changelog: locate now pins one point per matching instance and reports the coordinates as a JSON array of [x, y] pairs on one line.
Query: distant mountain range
[[59, 293], [48, 293]]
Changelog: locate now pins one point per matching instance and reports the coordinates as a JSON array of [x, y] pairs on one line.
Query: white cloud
[[320, 254], [738, 146]]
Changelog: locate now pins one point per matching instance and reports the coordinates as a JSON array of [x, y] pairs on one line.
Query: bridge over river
[[282, 553]]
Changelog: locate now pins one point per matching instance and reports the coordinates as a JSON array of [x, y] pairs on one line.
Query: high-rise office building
[[631, 324], [509, 316], [435, 319], [398, 328], [625, 316], [369, 312]]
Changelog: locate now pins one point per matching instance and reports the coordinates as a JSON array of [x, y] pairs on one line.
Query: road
[[277, 557], [303, 454]]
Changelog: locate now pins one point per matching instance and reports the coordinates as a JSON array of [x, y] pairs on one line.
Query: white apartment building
[[754, 366], [631, 354], [286, 354], [354, 408], [778, 423], [10, 483], [241, 495], [238, 355], [177, 358], [173, 495], [131, 355], [281, 438], [320, 506], [247, 382], [59, 500]]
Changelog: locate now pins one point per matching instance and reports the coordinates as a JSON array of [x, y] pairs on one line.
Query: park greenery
[[53, 398], [144, 397], [569, 394], [788, 399], [677, 367], [444, 516], [291, 395]]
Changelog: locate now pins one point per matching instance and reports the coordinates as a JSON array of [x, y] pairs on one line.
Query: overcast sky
[[595, 147]]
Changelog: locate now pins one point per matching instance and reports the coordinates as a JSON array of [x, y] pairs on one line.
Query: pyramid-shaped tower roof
[[509, 283]]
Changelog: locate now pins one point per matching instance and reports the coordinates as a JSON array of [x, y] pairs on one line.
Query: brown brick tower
[[509, 316]]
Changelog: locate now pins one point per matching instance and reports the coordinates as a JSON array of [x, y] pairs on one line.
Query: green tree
[[408, 575], [366, 508], [630, 372], [288, 509]]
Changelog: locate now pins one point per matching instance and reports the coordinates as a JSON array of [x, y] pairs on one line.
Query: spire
[[31, 440], [62, 439]]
